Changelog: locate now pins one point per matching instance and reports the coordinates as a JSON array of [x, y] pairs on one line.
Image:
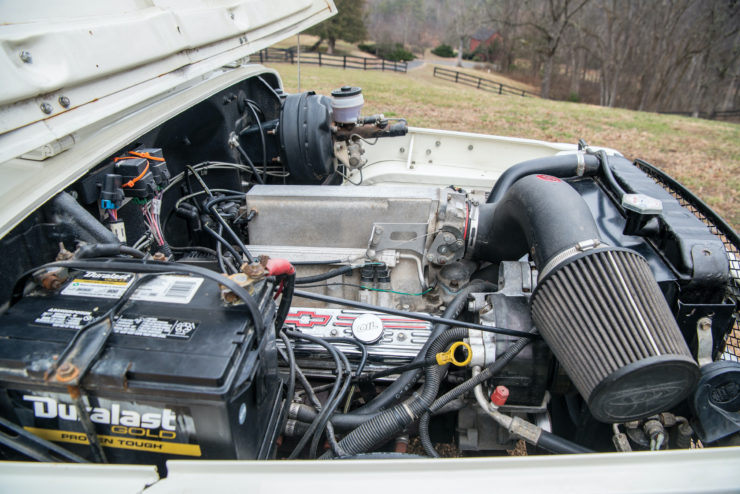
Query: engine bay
[[230, 286]]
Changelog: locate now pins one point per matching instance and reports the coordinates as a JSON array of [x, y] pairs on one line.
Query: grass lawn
[[704, 155]]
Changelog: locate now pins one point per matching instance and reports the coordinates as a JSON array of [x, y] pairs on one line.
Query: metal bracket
[[704, 341], [398, 236]]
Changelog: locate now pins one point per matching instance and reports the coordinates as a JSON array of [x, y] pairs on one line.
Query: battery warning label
[[165, 288], [64, 318], [154, 327]]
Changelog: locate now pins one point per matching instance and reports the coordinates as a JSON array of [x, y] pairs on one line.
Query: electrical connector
[[144, 173], [111, 195]]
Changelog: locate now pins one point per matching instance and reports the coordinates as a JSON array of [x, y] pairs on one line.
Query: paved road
[[415, 64]]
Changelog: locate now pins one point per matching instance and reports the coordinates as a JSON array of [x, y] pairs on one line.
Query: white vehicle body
[[125, 67]]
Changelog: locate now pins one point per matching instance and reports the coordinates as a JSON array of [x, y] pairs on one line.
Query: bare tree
[[466, 19], [548, 21]]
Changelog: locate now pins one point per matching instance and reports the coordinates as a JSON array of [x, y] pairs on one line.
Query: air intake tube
[[598, 307]]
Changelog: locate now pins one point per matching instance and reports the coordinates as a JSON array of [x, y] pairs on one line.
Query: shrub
[[445, 51], [394, 52], [368, 48]]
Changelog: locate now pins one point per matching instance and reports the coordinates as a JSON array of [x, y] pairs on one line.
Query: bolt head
[[64, 101], [705, 324], [46, 108], [26, 57], [66, 370]]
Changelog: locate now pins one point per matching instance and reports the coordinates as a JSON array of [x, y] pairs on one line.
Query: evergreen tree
[[348, 24]]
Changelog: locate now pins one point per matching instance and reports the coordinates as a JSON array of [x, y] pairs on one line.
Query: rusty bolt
[[67, 372], [46, 108], [26, 57], [253, 270], [51, 282], [159, 256], [64, 101]]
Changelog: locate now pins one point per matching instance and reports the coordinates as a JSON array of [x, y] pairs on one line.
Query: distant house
[[483, 38]]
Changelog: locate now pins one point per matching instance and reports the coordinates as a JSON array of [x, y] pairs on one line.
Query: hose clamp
[[408, 411], [473, 215], [566, 254], [581, 167], [289, 429]]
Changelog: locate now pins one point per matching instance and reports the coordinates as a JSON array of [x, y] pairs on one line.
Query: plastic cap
[[500, 395]]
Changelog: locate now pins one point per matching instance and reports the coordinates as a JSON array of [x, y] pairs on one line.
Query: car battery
[[181, 375]]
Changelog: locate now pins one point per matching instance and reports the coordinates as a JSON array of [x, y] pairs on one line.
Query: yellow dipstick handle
[[448, 357]]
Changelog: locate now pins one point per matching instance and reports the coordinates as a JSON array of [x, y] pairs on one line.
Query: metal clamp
[[566, 254]]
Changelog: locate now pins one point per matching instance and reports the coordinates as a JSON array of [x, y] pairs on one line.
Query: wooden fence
[[717, 115], [323, 60], [479, 82]]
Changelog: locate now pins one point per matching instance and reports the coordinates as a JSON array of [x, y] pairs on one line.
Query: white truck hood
[[59, 58]]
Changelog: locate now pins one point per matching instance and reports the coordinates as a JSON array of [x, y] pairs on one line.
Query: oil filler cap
[[368, 328]]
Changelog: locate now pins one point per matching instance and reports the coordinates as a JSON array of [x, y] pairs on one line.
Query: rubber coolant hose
[[561, 166]]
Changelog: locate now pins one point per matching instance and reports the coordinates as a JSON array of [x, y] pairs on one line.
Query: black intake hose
[[65, 209], [561, 166], [539, 214], [598, 307], [387, 423]]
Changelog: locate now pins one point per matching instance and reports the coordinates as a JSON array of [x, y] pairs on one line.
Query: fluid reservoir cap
[[346, 91], [368, 328]]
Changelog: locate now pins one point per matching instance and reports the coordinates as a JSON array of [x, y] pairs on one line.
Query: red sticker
[[549, 178]]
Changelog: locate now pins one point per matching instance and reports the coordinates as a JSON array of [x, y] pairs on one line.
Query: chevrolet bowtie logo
[[307, 319]]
